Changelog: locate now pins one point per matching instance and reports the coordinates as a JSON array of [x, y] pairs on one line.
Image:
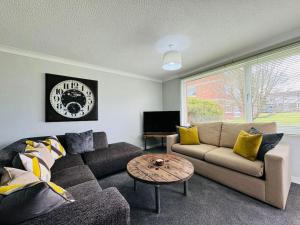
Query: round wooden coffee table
[[175, 170]]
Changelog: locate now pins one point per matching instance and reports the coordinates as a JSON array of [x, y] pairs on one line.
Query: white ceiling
[[131, 35]]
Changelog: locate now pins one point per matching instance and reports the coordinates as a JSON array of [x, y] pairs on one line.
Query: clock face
[[72, 99]]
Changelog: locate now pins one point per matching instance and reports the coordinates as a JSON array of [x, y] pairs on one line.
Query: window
[[264, 88], [216, 97]]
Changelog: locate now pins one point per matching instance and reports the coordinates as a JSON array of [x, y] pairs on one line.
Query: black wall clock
[[71, 99]]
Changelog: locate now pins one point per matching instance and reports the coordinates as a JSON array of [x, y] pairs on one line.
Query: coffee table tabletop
[[174, 170]]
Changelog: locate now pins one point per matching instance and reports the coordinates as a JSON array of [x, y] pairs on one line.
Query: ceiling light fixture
[[172, 59]]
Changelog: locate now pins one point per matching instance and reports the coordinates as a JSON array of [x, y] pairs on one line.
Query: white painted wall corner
[[296, 180]]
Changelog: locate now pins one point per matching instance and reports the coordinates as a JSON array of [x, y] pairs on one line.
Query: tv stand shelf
[[161, 135]]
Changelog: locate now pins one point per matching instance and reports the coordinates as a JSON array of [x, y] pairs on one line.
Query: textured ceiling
[[131, 35]]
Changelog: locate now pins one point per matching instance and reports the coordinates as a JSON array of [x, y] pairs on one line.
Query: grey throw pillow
[[32, 200], [269, 142], [80, 142], [8, 153]]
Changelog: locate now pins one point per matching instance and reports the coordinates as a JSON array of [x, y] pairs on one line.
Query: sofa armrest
[[171, 140], [278, 175], [107, 207]]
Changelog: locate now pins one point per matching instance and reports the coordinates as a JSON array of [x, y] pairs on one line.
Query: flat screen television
[[161, 122]]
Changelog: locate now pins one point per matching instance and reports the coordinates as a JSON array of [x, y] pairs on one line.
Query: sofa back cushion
[[100, 140], [209, 133], [230, 131]]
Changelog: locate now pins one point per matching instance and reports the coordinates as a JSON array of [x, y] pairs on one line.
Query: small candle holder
[[159, 162]]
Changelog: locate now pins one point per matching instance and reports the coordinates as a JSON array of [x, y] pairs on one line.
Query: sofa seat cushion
[[225, 157], [112, 159], [85, 189], [67, 162], [195, 151], [107, 207], [72, 176]]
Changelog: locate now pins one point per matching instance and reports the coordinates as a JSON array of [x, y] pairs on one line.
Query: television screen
[[161, 121]]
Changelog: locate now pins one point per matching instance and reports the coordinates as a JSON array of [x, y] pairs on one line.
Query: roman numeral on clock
[[59, 91], [59, 106], [66, 85]]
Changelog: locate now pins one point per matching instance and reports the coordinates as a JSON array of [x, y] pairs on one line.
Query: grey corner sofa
[[267, 180], [78, 174]]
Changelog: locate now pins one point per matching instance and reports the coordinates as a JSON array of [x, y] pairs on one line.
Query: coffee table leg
[[134, 184], [186, 188], [157, 198]]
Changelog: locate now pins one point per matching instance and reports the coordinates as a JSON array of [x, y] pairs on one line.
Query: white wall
[[121, 101], [171, 95], [171, 101], [294, 142]]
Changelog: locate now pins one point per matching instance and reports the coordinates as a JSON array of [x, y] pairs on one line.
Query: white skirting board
[[296, 180]]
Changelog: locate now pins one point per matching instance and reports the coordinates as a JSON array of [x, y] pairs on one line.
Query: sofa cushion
[[247, 145], [188, 136], [27, 201], [269, 142], [8, 153], [196, 151], [107, 207], [37, 165], [112, 159], [67, 162], [227, 158], [72, 176], [80, 142], [12, 176], [85, 189], [51, 143], [100, 140], [230, 131], [41, 152], [209, 133]]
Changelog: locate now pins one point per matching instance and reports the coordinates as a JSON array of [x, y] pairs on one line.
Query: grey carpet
[[209, 203]]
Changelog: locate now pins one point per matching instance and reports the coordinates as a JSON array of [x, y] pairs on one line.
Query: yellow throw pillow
[[247, 145], [12, 176], [189, 136], [41, 152], [52, 144], [36, 165]]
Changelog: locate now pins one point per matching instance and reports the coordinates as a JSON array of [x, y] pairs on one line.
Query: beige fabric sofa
[[268, 181]]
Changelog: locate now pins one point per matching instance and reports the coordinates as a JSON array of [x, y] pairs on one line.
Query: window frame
[[247, 85]]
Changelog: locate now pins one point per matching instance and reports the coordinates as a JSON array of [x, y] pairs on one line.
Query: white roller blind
[[276, 89]]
